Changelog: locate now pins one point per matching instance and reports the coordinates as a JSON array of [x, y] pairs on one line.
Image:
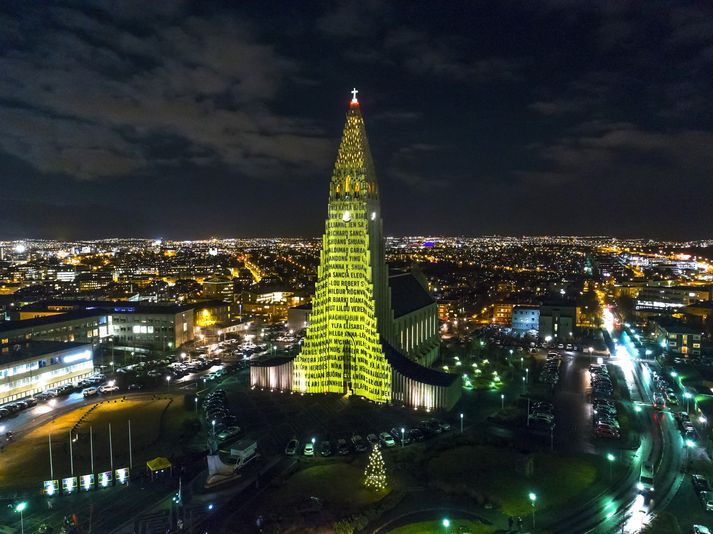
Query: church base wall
[[273, 377], [415, 394]]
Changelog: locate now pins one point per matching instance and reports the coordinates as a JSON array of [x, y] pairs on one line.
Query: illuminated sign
[[105, 479], [51, 487], [86, 482], [122, 475], [78, 357], [69, 485]]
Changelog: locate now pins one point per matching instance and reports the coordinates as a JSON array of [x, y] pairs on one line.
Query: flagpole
[[71, 457], [131, 463], [111, 454], [49, 437]]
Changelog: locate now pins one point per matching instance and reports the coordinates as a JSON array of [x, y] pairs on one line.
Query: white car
[[701, 529], [387, 439], [106, 388], [309, 449], [90, 392], [707, 500]]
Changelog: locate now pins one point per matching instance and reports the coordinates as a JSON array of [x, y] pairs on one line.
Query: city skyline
[[208, 121]]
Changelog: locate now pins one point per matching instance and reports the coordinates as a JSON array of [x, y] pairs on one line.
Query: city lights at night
[[356, 267]]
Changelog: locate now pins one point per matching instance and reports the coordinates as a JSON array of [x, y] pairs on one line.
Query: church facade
[[369, 334]]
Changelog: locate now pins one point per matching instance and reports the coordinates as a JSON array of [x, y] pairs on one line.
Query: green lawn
[[498, 475], [436, 527], [339, 485], [156, 430]]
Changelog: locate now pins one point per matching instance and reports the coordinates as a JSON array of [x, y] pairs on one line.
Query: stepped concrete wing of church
[[370, 334]]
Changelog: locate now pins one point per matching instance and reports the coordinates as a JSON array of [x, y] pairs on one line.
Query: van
[[646, 479]]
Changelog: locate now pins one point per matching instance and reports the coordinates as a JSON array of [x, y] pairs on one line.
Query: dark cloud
[[90, 97], [198, 119]]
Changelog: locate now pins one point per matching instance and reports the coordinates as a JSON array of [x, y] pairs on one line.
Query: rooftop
[[407, 294], [13, 352], [7, 326]]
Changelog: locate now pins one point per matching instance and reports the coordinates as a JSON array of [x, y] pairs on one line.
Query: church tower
[[342, 351]]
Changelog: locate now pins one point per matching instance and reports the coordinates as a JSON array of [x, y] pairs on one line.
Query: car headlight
[[640, 486]]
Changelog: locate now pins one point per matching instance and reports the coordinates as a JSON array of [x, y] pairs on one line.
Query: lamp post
[[610, 458], [687, 396], [524, 386], [446, 523], [461, 422], [403, 430], [213, 423], [20, 507], [533, 498], [591, 349], [502, 401], [527, 375], [168, 382], [196, 404]]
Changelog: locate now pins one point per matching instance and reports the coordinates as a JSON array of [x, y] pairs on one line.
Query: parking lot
[[275, 418]]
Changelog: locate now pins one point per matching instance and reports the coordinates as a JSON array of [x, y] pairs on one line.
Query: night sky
[[177, 120]]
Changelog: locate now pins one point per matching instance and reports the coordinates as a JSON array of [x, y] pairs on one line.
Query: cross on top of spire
[[354, 98]]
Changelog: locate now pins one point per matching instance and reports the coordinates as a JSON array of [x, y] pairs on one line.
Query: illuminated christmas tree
[[375, 473]]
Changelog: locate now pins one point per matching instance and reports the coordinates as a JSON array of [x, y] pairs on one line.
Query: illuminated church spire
[[353, 175], [342, 351]]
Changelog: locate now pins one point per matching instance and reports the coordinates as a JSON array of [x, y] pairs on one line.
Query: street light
[[502, 401], [196, 404], [402, 435], [446, 523], [20, 507], [213, 423], [533, 498], [168, 382], [674, 374], [610, 457]]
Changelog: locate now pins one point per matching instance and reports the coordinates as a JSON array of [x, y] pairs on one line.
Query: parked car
[[701, 529], [606, 431], [700, 483], [309, 449], [387, 440], [359, 444], [399, 436], [90, 391], [228, 433], [292, 447], [417, 434], [342, 447], [325, 448], [107, 388], [706, 500], [135, 387], [372, 439]]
